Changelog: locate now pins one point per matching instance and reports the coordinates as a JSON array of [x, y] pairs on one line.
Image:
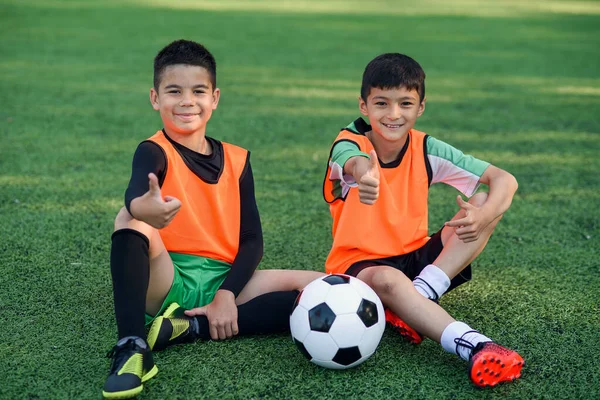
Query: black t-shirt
[[149, 157]]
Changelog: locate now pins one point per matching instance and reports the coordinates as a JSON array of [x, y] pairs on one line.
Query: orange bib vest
[[396, 224], [208, 222]]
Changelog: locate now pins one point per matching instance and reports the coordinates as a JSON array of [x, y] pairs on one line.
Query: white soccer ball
[[337, 321]]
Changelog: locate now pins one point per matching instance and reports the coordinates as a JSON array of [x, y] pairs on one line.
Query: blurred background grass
[[514, 83]]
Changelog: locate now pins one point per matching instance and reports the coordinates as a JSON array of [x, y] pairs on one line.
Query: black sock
[[267, 313], [130, 269]]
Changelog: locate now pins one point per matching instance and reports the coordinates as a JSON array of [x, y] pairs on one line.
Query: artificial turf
[[513, 83]]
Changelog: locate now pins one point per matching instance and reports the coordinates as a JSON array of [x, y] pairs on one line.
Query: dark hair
[[392, 70], [184, 52]]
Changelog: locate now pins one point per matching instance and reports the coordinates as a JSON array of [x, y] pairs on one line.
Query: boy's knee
[[123, 219], [387, 280], [478, 199]]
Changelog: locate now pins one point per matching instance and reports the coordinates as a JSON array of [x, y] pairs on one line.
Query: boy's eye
[[173, 91], [406, 103], [380, 103], [198, 91]]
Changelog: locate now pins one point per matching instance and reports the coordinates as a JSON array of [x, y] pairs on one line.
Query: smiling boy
[[187, 243], [377, 186]]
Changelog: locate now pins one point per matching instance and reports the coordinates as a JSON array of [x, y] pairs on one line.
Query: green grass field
[[514, 83]]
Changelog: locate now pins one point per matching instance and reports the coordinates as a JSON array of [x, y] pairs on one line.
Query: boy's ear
[[154, 99], [362, 106], [216, 97], [422, 107]]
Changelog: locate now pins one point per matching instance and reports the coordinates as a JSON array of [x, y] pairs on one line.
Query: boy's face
[[185, 99], [392, 112]]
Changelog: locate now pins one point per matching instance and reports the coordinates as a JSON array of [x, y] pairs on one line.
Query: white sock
[[432, 282], [459, 338]]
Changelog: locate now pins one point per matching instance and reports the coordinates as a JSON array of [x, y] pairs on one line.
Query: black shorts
[[412, 264]]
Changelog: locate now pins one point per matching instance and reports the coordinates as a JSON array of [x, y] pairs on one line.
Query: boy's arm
[[222, 311], [464, 172], [355, 168], [502, 187], [250, 249], [143, 199]]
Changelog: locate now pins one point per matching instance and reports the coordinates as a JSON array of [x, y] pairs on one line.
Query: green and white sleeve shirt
[[446, 164]]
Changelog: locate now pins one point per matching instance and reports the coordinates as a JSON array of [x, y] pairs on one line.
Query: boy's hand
[[366, 173], [152, 209], [222, 315], [469, 227]]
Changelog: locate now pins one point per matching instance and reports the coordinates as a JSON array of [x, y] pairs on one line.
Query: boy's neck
[[387, 151], [196, 141]]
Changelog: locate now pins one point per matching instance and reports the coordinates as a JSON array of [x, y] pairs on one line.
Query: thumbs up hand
[[366, 173], [469, 222], [152, 208]]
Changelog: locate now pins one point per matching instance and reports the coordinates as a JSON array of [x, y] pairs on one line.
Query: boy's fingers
[[153, 182], [234, 328], [369, 189], [464, 231], [369, 195], [463, 204], [228, 331], [214, 333], [457, 222], [172, 204], [222, 332], [374, 163], [369, 180], [196, 311]]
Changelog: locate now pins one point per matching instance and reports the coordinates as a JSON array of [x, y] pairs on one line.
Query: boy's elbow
[[514, 184]]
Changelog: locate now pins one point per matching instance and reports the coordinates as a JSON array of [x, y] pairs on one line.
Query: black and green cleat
[[171, 328], [132, 365]]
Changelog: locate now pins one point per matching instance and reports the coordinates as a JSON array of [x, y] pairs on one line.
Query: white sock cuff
[[436, 278], [455, 330]]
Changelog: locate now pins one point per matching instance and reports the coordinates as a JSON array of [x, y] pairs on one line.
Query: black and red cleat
[[491, 364], [401, 327]]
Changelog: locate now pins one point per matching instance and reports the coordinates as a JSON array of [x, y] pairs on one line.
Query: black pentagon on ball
[[337, 279], [302, 349], [321, 318], [367, 312], [347, 356]]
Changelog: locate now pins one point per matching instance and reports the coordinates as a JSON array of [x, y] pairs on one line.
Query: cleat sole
[[404, 330], [489, 368]]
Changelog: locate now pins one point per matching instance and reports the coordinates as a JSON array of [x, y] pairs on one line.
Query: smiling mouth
[[392, 126], [186, 116]]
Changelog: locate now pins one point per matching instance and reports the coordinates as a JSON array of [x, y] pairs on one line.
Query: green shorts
[[195, 281]]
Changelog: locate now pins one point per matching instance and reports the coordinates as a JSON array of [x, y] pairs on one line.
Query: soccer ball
[[337, 321]]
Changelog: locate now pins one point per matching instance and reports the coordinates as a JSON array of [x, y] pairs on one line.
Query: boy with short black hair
[[377, 185], [189, 236]]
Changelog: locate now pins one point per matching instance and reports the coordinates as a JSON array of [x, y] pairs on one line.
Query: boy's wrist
[[350, 164]]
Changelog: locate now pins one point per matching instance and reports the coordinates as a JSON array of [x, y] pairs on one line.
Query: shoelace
[[464, 343], [120, 353]]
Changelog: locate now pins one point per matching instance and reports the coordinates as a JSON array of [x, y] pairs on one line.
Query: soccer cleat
[[131, 366], [401, 327], [171, 328], [491, 364]]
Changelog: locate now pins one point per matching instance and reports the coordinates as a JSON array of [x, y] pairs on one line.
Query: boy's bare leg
[[457, 254], [397, 292], [161, 265], [489, 363], [275, 280]]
